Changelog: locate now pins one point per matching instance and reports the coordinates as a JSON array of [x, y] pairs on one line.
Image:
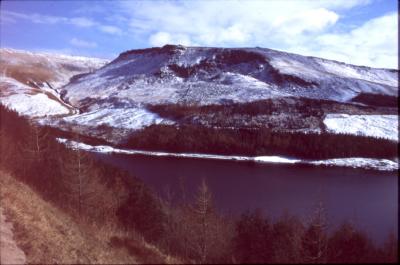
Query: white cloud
[[82, 22], [309, 27], [35, 18], [82, 43], [162, 38], [313, 20], [241, 22], [110, 29], [294, 25], [373, 44], [344, 4], [90, 8], [7, 19]]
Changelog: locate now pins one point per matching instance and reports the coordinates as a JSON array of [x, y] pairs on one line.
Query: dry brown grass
[[25, 67], [26, 73], [48, 235]]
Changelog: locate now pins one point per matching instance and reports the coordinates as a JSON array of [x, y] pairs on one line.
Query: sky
[[361, 32]]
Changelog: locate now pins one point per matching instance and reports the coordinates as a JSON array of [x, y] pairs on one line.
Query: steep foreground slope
[[48, 235], [30, 82], [10, 253]]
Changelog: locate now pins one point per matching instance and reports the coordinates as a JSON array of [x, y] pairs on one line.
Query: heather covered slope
[[10, 252], [48, 235]]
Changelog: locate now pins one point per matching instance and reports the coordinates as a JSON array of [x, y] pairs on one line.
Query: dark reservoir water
[[367, 198]]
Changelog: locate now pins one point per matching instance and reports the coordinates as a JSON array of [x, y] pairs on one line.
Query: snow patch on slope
[[287, 65], [381, 126], [381, 76], [30, 82], [26, 101], [130, 118], [34, 105], [57, 68]]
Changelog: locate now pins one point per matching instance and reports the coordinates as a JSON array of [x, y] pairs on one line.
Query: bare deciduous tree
[[79, 180], [202, 210], [315, 241], [36, 144]]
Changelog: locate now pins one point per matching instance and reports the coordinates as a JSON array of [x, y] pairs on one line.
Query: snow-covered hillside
[[30, 82], [29, 101], [186, 75], [246, 88], [214, 75], [118, 94], [124, 118], [380, 126]]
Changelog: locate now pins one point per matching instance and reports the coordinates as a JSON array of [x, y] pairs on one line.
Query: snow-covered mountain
[[218, 75], [30, 82], [118, 94], [121, 94]]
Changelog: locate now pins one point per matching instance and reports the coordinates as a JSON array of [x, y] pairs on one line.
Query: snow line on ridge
[[354, 162]]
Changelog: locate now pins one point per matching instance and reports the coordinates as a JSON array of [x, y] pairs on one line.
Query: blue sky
[[361, 32]]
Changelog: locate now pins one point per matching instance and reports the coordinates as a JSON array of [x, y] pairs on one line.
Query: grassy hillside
[[40, 228]]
